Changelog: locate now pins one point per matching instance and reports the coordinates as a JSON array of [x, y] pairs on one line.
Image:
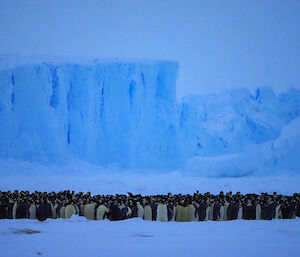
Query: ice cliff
[[105, 112], [125, 113]]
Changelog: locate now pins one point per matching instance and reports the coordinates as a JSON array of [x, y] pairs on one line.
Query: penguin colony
[[182, 208]]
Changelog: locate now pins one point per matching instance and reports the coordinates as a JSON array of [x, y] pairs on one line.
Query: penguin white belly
[[53, 211], [62, 212], [222, 211], [140, 211], [184, 214], [162, 213], [101, 211], [191, 211], [210, 210], [129, 212], [147, 213], [14, 210], [240, 213], [70, 210], [89, 211], [178, 213], [32, 212], [225, 210], [207, 212], [278, 212], [258, 212], [174, 213]]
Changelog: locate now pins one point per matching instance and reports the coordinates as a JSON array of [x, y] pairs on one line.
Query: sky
[[219, 44]]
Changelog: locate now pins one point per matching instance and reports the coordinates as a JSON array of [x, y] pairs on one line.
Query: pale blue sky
[[219, 44]]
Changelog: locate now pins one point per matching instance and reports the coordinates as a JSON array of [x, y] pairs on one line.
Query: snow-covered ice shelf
[[117, 182], [135, 238]]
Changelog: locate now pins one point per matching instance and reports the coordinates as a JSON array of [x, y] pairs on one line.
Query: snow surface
[[83, 176], [135, 237]]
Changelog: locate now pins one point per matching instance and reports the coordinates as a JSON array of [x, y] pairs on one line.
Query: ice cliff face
[[104, 112], [126, 114]]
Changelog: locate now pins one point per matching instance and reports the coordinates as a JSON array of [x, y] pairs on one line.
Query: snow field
[[135, 237]]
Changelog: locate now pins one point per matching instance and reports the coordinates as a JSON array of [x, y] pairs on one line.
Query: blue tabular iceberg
[[125, 113], [120, 113]]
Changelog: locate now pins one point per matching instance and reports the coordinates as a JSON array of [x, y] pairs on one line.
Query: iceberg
[[230, 122], [125, 114], [105, 112]]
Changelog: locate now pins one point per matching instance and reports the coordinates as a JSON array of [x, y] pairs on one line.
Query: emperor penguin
[[140, 210], [147, 211], [297, 212], [249, 210], [53, 211], [102, 212], [233, 209], [162, 212], [14, 210], [222, 210], [32, 211], [226, 204], [153, 206], [3, 209], [288, 210], [267, 209], [134, 209], [216, 210], [58, 205], [273, 205], [114, 211], [81, 208], [89, 211], [209, 211], [278, 214], [22, 210], [240, 212], [178, 211], [202, 210], [10, 209], [182, 212], [70, 210], [192, 212], [77, 211], [43, 210], [171, 211], [125, 211], [62, 212], [258, 211]]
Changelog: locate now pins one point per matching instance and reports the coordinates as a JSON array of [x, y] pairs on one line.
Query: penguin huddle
[[181, 208]]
